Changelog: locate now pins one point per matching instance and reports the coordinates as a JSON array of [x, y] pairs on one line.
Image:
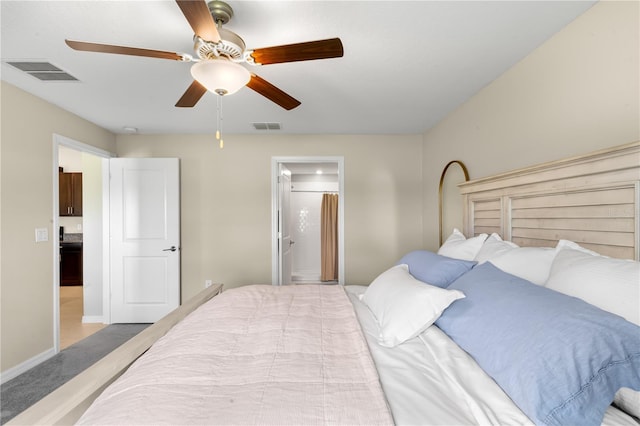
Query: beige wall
[[26, 278], [92, 227], [225, 207], [226, 200], [577, 93]]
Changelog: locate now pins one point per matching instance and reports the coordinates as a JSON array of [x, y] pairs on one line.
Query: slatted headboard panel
[[488, 216], [592, 199]]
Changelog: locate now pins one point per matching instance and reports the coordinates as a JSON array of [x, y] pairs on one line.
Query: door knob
[[172, 248]]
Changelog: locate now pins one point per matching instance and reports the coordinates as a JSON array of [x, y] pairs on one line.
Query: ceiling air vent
[[266, 126], [43, 71]]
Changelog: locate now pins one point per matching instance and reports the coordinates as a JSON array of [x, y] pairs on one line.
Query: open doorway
[[78, 240], [302, 252]]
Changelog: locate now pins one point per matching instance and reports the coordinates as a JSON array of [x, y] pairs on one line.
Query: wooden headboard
[[592, 199]]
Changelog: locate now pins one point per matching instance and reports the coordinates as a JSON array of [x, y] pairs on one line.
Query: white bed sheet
[[429, 380]]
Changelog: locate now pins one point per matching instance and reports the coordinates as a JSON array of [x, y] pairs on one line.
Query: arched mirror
[[449, 198]]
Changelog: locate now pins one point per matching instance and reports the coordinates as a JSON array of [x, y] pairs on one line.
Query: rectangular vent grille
[[43, 71], [266, 126]]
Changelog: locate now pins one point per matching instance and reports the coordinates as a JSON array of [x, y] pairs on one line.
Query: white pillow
[[628, 401], [566, 244], [610, 284], [403, 306], [492, 247], [458, 246], [530, 263]]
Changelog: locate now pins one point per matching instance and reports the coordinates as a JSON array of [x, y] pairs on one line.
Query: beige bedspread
[[254, 355]]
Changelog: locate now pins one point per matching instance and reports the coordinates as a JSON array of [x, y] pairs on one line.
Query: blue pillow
[[561, 360], [435, 269]]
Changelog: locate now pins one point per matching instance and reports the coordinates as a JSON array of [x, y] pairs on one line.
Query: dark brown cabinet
[[70, 185], [71, 263]]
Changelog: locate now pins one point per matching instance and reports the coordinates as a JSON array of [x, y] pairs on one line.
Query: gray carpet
[[20, 393]]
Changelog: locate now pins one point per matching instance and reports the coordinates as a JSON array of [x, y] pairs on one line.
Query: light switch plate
[[42, 234]]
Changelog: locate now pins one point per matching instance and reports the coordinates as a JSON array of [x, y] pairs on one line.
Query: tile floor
[[71, 327]]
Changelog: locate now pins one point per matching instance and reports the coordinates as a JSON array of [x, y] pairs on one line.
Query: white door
[[285, 242], [145, 238]]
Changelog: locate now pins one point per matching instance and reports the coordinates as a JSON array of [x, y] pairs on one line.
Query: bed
[[548, 254]]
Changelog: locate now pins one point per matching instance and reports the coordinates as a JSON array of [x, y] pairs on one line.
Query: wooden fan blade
[[192, 95], [272, 93], [320, 49], [199, 17], [122, 50]]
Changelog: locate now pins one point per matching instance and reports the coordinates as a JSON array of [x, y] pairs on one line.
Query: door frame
[[285, 260], [59, 140], [275, 166]]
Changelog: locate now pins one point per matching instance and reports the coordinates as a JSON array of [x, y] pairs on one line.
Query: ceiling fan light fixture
[[221, 76]]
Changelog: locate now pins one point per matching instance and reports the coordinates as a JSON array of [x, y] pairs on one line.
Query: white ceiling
[[406, 65]]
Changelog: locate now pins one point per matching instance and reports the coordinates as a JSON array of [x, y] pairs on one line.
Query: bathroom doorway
[[303, 261]]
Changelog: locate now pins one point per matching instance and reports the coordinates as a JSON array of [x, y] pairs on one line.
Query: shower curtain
[[329, 237]]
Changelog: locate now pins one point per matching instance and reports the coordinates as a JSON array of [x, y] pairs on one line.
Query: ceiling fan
[[220, 52]]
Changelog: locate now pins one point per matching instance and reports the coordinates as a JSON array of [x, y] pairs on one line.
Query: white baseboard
[[14, 372], [86, 319]]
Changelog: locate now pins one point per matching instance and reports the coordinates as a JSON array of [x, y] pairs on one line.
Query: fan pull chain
[[219, 122]]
